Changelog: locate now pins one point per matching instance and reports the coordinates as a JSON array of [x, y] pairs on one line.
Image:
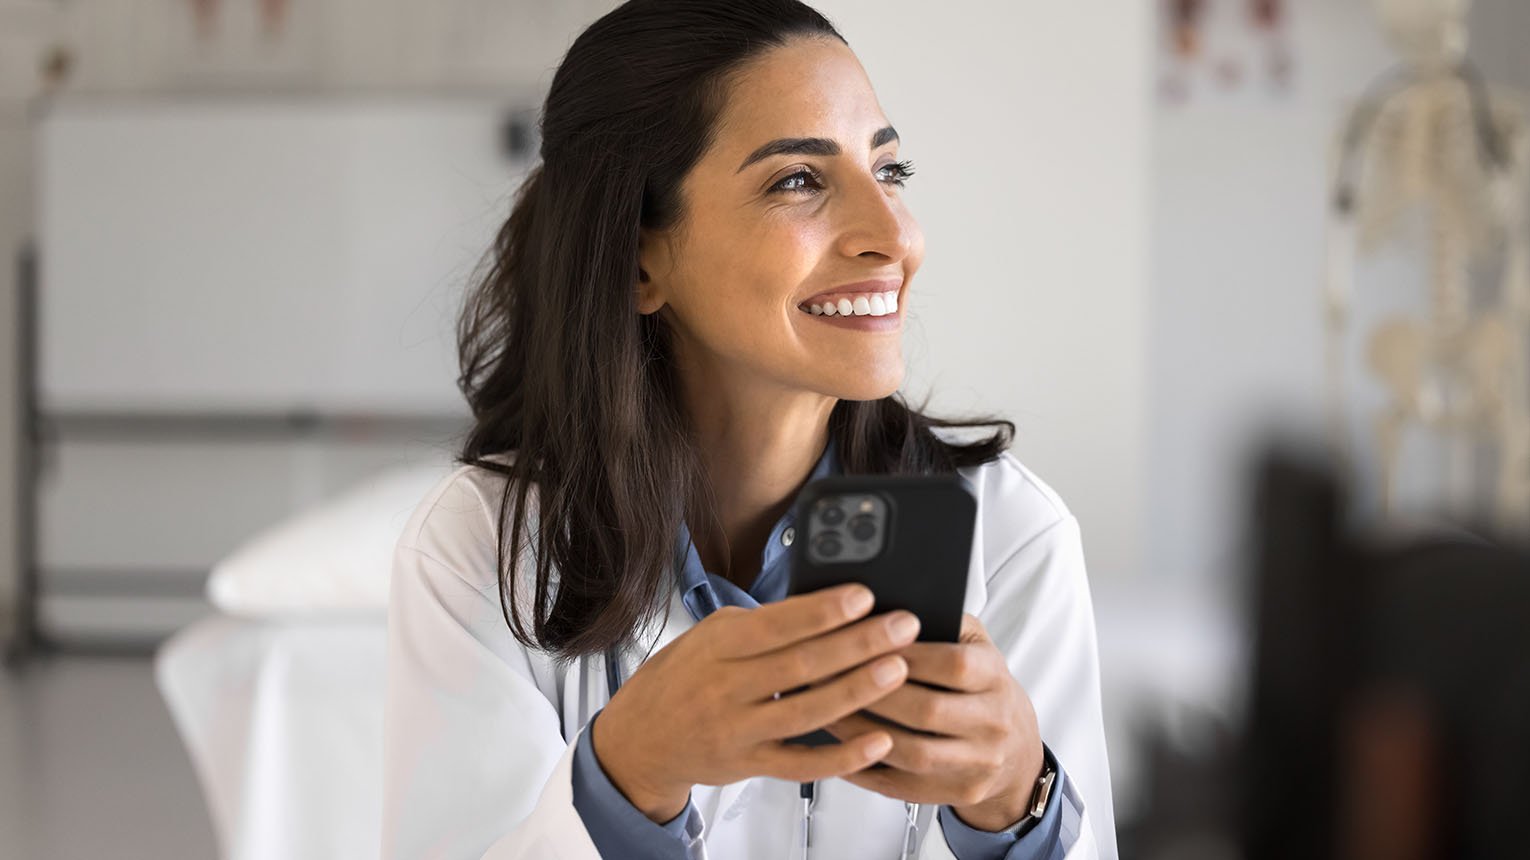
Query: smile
[[861, 305]]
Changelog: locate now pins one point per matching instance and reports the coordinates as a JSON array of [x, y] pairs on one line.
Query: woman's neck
[[758, 444]]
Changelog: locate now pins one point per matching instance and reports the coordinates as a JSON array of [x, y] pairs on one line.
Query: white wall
[[1238, 222], [1028, 126]]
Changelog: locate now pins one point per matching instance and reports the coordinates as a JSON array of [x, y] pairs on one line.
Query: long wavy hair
[[562, 372]]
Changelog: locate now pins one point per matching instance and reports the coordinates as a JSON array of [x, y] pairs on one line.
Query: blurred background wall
[[1014, 304], [1238, 213]]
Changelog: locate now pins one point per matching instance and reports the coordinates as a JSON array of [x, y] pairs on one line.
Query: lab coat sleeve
[[474, 761], [1040, 615]]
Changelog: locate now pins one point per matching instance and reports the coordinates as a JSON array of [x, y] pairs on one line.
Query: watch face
[[1043, 793]]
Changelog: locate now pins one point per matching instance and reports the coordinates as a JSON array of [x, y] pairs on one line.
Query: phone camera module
[[828, 545], [846, 528], [863, 527]]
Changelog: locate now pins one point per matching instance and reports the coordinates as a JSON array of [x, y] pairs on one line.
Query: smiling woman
[[696, 307], [707, 171]]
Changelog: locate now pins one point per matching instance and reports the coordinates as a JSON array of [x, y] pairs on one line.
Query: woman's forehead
[[809, 88]]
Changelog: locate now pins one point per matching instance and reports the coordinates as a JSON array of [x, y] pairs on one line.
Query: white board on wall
[[252, 254]]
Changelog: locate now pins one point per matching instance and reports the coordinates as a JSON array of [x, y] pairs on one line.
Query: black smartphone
[[906, 537]]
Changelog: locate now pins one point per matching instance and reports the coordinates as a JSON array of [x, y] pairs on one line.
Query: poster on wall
[[244, 44], [1224, 51], [273, 18]]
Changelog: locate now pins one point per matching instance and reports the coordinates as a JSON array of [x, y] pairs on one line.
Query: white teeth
[[871, 304]]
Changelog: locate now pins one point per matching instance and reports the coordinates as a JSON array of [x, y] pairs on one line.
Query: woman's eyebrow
[[811, 146]]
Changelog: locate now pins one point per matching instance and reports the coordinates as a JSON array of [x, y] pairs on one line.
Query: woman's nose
[[877, 223]]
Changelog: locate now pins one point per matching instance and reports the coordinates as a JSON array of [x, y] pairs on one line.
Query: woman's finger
[[912, 751], [815, 707], [898, 784], [800, 763], [964, 666], [919, 707], [746, 633], [825, 656]]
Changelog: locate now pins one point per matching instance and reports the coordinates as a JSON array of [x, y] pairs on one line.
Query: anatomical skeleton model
[[1432, 139]]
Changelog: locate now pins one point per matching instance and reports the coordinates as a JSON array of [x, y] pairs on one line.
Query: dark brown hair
[[563, 372]]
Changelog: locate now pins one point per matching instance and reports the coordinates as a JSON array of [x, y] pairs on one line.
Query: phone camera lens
[[863, 527], [832, 515], [828, 545]]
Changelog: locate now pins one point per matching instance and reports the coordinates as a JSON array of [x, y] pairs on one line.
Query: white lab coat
[[479, 731]]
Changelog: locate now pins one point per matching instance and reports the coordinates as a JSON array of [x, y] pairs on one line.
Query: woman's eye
[[786, 183], [901, 171], [806, 181]]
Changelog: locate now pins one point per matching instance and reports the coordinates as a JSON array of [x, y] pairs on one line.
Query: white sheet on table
[[283, 721]]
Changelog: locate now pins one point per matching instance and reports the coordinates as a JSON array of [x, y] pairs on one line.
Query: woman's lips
[[850, 291], [886, 322]]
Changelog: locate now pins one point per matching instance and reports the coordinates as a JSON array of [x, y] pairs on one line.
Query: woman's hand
[[704, 710], [987, 755]]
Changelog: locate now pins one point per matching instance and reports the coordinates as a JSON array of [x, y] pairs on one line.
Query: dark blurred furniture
[[1390, 704], [1387, 714]]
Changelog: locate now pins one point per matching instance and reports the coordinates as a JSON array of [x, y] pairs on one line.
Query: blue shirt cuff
[[1038, 839], [618, 828]]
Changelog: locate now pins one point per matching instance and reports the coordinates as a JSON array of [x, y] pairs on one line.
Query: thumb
[[972, 629]]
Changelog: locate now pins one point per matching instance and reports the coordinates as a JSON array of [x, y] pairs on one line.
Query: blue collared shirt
[[619, 829]]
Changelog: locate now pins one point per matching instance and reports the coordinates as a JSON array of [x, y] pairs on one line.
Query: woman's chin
[[871, 386]]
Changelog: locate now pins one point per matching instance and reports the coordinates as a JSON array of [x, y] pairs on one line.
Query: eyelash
[[902, 170]]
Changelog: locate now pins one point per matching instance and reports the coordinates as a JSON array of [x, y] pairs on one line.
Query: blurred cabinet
[[262, 253], [241, 306]]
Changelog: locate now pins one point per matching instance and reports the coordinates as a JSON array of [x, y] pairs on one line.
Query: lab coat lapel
[[976, 596]]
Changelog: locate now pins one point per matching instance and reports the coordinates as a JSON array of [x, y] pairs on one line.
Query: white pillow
[[334, 557]]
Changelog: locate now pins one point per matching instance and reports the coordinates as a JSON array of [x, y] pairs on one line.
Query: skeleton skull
[[1426, 32]]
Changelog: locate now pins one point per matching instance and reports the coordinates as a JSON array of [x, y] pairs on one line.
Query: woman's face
[[797, 203]]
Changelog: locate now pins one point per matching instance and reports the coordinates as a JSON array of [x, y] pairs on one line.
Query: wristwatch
[[1041, 795], [1043, 792]]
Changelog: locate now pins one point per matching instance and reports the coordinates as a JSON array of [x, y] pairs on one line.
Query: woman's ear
[[653, 258]]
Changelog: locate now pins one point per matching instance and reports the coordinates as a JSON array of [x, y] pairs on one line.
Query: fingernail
[[887, 672], [860, 600], [905, 627], [880, 746]]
